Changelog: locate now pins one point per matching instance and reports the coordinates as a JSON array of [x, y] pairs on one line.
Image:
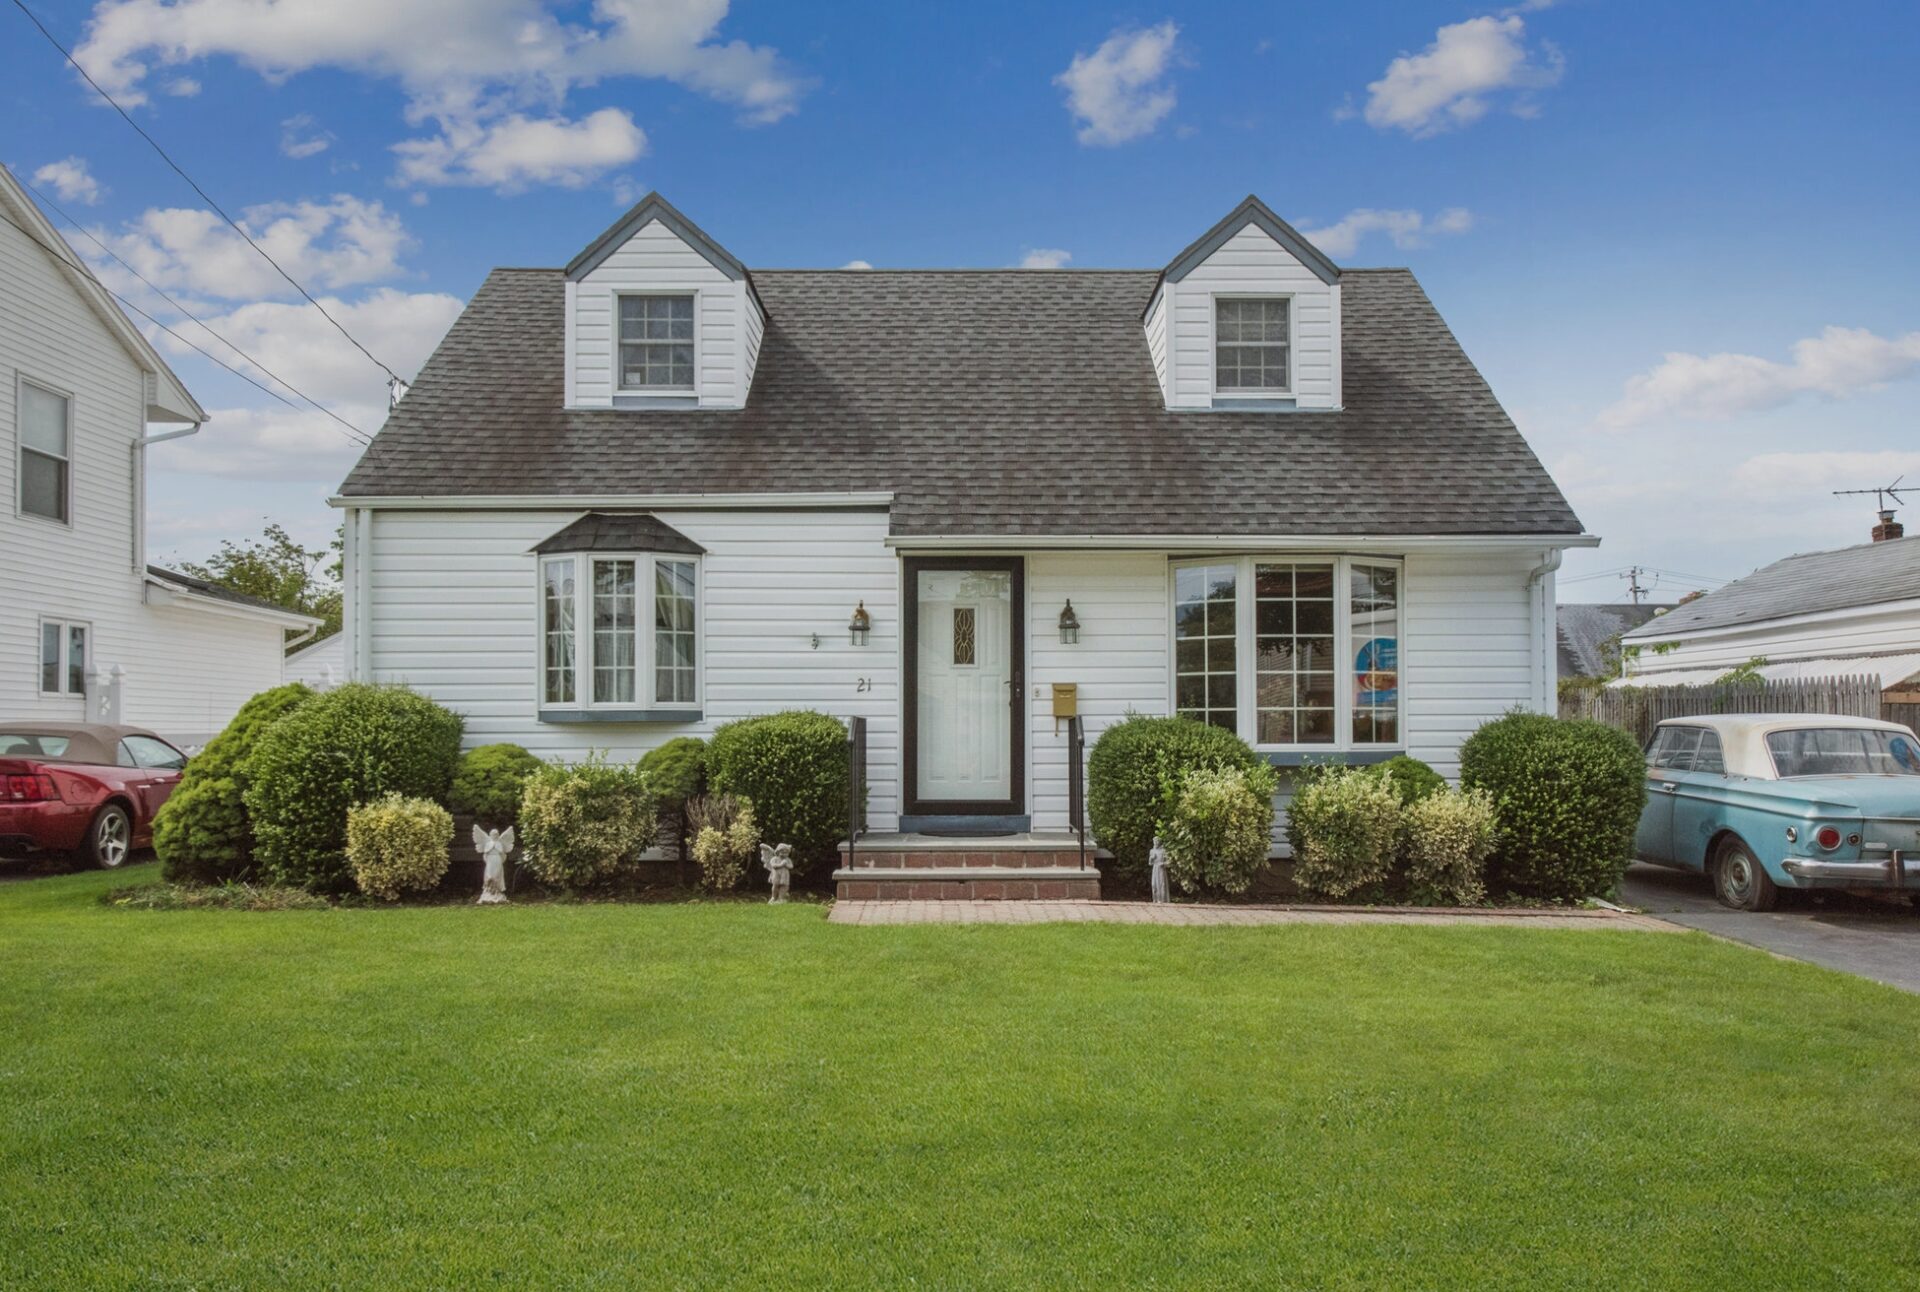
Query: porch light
[[860, 625], [1069, 625]]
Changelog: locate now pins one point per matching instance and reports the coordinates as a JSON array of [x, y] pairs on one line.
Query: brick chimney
[[1888, 528]]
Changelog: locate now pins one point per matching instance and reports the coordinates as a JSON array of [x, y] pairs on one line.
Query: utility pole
[[1632, 576]]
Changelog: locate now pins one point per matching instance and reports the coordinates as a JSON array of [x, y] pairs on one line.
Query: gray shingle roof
[[1802, 585], [987, 402], [1585, 629], [619, 531], [214, 590]]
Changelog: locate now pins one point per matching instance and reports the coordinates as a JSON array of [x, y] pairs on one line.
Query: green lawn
[[663, 1096]]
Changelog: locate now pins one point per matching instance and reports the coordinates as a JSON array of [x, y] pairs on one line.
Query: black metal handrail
[[1077, 783], [856, 782]]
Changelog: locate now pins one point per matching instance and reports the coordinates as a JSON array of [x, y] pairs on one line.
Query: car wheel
[[109, 838], [1740, 881]]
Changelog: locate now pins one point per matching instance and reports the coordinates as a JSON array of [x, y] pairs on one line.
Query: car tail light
[[29, 789], [1827, 837]]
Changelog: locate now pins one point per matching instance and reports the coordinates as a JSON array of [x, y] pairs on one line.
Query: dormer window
[[656, 343], [1252, 345]]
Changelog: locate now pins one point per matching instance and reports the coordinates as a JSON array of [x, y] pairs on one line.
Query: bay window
[[1290, 652], [596, 653]]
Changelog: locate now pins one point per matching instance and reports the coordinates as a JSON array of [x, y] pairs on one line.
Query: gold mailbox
[[1066, 699]]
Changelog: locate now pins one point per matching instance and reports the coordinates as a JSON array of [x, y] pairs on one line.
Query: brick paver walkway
[[1147, 913]]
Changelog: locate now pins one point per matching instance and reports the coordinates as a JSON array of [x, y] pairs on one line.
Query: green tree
[[275, 568]]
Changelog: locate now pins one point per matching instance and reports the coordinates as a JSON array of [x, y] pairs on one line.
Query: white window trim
[[645, 696], [66, 627], [20, 450], [1213, 348], [662, 392], [1246, 702]]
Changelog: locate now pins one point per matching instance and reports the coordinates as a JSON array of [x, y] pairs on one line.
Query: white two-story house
[[655, 490], [84, 398]]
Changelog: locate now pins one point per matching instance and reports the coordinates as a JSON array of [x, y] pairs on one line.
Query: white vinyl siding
[[1470, 648], [1250, 264], [454, 615], [1890, 628], [1156, 327], [655, 262]]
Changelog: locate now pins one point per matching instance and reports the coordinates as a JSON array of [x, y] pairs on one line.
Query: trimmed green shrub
[[1566, 796], [676, 771], [345, 747], [397, 845], [725, 838], [1343, 826], [792, 767], [584, 822], [1446, 839], [488, 782], [202, 833], [1134, 772], [1220, 830], [1410, 779]]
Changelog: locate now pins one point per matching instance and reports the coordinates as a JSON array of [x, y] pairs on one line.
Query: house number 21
[[862, 685]]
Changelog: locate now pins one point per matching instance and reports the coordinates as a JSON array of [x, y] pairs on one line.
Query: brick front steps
[[1022, 867]]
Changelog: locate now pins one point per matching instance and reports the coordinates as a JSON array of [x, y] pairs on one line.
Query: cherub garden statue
[[1157, 859], [779, 864], [494, 845]]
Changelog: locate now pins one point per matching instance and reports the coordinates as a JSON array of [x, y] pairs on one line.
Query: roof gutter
[[172, 593], [1241, 542], [873, 500]]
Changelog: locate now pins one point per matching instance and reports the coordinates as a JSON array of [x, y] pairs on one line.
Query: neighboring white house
[[79, 604], [321, 664], [1851, 612], [653, 491]]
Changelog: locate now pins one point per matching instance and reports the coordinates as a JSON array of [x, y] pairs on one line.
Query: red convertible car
[[82, 787]]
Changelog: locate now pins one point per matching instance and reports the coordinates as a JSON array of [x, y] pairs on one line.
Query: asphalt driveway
[[1852, 934]]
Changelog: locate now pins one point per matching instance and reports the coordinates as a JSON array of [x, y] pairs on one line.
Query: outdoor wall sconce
[[1069, 626], [860, 625]]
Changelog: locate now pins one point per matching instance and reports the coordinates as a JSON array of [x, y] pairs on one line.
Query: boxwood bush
[[584, 822], [725, 838], [203, 834], [1134, 774], [1344, 827], [398, 845], [488, 782], [1566, 796], [345, 747], [792, 767], [1220, 829], [676, 772], [1445, 841], [1410, 779]]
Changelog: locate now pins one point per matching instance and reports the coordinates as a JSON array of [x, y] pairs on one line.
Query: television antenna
[[1881, 494]]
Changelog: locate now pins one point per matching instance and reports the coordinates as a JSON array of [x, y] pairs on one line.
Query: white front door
[[965, 667]]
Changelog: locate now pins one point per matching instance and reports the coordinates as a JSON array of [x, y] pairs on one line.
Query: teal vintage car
[[1768, 801]]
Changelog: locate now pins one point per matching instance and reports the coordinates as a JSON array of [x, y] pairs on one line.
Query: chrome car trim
[[1872, 872]]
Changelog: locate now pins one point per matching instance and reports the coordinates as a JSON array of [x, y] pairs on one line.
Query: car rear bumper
[[45, 827], [1899, 871]]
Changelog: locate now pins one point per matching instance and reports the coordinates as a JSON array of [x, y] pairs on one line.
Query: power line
[[204, 196], [360, 437], [55, 207]]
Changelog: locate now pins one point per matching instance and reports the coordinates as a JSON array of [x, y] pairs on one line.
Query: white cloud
[[1406, 229], [1838, 363], [294, 341], [70, 178], [1790, 475], [340, 242], [1045, 258], [275, 443], [1453, 81], [514, 151], [1120, 91], [181, 87], [856, 264], [492, 76], [301, 136]]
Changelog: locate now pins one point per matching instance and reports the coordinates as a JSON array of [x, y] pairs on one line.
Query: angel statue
[[494, 845], [779, 864], [1157, 859]]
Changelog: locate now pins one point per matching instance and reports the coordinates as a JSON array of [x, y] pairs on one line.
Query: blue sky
[[1678, 239]]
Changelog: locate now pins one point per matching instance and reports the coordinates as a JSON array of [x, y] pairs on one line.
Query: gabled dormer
[[659, 315], [1248, 318]]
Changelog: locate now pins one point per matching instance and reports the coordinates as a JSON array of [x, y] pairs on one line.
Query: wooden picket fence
[[1639, 709]]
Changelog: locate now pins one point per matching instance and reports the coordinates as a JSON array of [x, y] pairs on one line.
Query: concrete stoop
[[1019, 867]]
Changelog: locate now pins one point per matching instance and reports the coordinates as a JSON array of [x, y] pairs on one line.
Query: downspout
[[1536, 581], [141, 442]]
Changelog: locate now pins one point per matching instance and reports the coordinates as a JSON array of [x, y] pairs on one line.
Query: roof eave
[[1255, 212], [642, 213]]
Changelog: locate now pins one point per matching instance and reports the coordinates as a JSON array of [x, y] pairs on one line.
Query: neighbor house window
[[1290, 653], [615, 663], [63, 657], [1252, 345], [656, 342], [46, 452]]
